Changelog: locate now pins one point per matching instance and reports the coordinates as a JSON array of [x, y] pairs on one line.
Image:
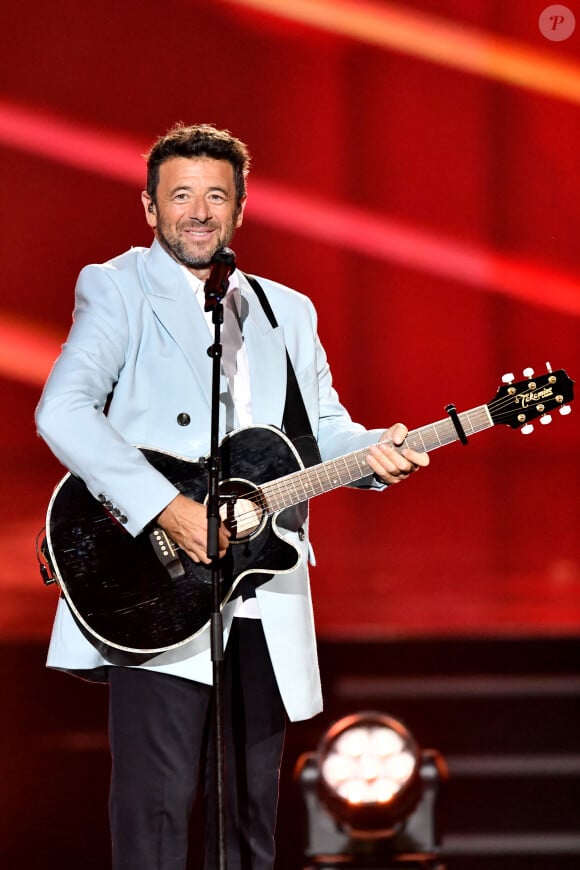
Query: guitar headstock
[[517, 404]]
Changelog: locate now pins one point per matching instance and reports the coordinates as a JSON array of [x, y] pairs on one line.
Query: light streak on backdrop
[[385, 238], [392, 26], [27, 349]]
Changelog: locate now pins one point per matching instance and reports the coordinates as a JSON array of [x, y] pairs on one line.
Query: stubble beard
[[181, 251]]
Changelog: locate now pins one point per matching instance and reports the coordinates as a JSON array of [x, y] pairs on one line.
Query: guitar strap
[[295, 420]]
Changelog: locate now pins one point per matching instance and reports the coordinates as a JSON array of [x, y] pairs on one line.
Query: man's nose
[[199, 209]]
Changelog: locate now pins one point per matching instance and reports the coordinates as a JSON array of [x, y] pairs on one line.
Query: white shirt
[[239, 388]]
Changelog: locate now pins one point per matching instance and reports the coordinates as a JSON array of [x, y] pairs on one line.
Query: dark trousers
[[161, 736]]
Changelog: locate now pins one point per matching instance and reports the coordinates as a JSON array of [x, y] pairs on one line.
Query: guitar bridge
[[166, 551]]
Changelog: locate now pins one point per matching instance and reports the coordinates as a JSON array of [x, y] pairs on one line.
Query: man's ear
[[240, 211], [150, 210]]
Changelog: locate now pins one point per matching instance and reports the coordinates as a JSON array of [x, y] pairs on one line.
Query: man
[[135, 371]]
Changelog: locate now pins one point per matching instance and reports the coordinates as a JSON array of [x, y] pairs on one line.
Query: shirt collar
[[198, 285]]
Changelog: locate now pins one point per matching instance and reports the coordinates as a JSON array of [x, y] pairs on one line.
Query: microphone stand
[[223, 264]]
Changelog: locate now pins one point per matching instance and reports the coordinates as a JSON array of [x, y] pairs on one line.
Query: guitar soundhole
[[240, 510]]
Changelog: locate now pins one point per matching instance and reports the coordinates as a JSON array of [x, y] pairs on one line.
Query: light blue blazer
[[138, 328]]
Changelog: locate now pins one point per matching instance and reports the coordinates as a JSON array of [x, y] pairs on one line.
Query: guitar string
[[282, 486], [355, 468]]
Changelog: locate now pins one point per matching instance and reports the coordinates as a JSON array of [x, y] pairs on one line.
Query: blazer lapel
[[267, 360], [174, 304]]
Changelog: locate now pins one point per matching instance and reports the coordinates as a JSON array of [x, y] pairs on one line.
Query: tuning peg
[[508, 378], [527, 429], [565, 409], [545, 419], [528, 373], [548, 368]]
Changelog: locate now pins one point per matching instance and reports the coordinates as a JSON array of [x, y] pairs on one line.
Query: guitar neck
[[302, 485]]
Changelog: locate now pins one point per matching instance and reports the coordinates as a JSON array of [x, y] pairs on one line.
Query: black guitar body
[[122, 595]]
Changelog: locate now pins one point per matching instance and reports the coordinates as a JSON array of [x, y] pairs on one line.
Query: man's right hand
[[185, 521]]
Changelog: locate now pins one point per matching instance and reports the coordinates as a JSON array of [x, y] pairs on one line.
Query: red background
[[486, 540]]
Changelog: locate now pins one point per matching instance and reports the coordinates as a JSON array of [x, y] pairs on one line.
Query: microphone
[[222, 265]]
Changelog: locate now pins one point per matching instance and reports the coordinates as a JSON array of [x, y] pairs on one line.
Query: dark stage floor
[[505, 714]]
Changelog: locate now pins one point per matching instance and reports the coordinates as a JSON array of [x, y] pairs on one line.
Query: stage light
[[369, 771], [370, 796]]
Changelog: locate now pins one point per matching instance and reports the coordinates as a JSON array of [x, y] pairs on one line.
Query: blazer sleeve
[[71, 416]]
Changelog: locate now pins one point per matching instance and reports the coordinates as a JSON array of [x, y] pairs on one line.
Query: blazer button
[[183, 419]]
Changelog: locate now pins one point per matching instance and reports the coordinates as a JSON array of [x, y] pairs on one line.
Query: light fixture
[[370, 796]]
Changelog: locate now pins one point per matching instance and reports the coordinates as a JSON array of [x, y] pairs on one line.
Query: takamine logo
[[527, 399]]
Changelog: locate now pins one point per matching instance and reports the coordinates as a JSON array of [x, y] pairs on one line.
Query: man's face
[[195, 212]]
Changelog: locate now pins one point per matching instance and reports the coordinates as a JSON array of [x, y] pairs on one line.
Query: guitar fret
[[324, 475], [296, 484], [478, 419], [360, 466], [332, 474], [415, 441], [430, 437], [260, 500], [306, 483], [467, 423], [443, 432], [309, 482], [312, 489], [273, 493], [315, 470]]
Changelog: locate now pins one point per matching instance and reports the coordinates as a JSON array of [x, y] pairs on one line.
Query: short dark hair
[[199, 140]]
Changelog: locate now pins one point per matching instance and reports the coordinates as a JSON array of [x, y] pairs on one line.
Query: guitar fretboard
[[302, 485]]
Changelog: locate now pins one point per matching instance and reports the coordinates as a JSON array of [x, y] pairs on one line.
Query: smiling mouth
[[205, 230]]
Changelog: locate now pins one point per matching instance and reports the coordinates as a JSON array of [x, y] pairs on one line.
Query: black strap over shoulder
[[295, 420]]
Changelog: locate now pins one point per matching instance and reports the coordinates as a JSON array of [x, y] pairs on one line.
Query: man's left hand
[[389, 462]]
